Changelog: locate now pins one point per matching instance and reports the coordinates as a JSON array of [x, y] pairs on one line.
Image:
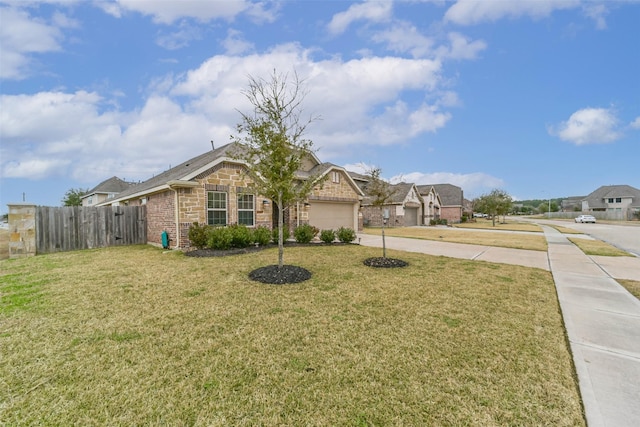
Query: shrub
[[328, 236], [261, 235], [240, 236], [220, 238], [285, 234], [305, 233], [346, 235], [198, 235]]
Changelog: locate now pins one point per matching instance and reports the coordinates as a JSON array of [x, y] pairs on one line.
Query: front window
[[246, 209], [216, 208], [618, 199]]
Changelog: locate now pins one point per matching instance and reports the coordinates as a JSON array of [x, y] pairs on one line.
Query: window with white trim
[[216, 208], [246, 209], [335, 177]]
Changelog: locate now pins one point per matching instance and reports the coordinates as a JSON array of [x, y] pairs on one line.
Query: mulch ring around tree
[[382, 262], [274, 275]]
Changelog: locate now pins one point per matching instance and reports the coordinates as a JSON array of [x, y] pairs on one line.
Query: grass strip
[[597, 247], [536, 242]]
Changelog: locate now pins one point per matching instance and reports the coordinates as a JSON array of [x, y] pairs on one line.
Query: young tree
[[381, 194], [496, 203], [73, 196], [272, 143]]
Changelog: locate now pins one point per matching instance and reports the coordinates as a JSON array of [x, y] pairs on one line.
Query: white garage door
[[332, 216]]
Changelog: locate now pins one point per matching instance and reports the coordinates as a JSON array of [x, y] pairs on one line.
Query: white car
[[586, 218]]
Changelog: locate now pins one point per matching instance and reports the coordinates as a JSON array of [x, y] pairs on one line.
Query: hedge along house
[[214, 188]]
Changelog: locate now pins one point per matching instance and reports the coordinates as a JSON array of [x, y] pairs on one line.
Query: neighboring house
[[571, 204], [622, 200], [451, 200], [404, 208], [432, 203], [106, 190], [214, 189]]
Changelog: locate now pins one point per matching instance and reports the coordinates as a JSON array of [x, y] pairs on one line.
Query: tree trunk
[[280, 233]]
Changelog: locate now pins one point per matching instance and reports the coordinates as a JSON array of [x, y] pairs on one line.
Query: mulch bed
[[274, 275], [381, 262]]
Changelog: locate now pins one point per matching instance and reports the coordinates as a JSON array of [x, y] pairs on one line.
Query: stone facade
[[22, 230]]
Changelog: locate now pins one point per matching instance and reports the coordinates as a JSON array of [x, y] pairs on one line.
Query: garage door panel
[[331, 215]]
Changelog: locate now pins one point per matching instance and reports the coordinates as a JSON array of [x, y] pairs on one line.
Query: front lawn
[[140, 336]]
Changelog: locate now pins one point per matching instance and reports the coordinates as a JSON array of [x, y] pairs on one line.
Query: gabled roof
[[400, 192], [450, 195], [598, 197], [113, 185], [184, 173]]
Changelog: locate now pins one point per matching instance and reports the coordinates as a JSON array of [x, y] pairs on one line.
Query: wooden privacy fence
[[72, 228]]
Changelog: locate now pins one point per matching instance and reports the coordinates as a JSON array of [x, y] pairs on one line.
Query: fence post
[[22, 229]]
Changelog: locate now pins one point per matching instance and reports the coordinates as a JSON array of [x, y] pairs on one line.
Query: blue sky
[[538, 98]]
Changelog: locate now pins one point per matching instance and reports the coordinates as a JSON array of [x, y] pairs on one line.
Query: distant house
[[214, 189], [432, 203], [571, 204], [451, 200], [615, 200], [106, 190], [405, 208]]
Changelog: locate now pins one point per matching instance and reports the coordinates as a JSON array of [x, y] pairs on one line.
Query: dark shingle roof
[[597, 198], [111, 185], [181, 171]]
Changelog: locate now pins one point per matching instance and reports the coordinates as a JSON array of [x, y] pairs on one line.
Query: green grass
[[632, 286], [597, 247], [530, 241], [137, 336]]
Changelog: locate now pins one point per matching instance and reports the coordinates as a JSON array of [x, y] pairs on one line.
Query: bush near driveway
[[139, 336]]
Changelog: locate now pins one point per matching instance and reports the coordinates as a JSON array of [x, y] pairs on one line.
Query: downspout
[[298, 214]]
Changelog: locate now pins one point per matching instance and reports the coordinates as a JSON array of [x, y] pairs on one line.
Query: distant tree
[[73, 196], [381, 193], [496, 203], [272, 142]]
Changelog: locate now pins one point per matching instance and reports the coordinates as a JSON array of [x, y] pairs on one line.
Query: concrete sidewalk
[[602, 318]]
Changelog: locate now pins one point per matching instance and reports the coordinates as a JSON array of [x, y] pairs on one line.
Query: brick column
[[22, 230]]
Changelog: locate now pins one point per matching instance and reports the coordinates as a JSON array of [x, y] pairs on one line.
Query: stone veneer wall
[[22, 230]]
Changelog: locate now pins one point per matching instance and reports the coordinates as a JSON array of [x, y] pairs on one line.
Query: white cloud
[[461, 47], [21, 35], [472, 184], [597, 12], [374, 11], [405, 37], [235, 44], [357, 99], [469, 12], [179, 38], [589, 126], [636, 123], [167, 12]]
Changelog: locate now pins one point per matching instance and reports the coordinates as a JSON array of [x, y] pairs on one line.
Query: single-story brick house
[[213, 188], [107, 189], [451, 200]]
